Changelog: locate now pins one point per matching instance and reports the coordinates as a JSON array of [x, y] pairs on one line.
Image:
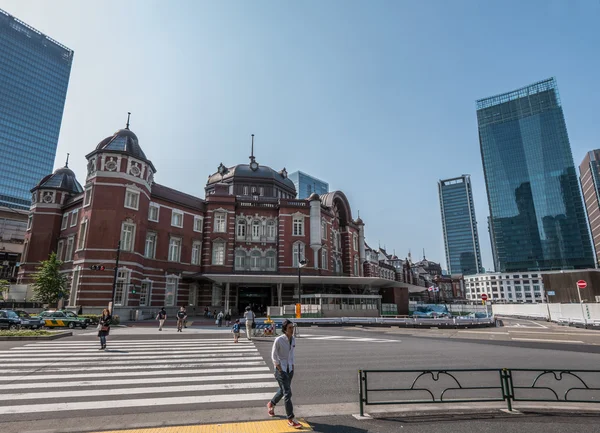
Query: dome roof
[[314, 196], [63, 179], [123, 141], [244, 171]]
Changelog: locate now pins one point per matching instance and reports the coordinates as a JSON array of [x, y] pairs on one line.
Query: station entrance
[[258, 298]]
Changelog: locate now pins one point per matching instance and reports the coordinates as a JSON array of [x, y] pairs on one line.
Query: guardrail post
[[360, 393], [506, 378]]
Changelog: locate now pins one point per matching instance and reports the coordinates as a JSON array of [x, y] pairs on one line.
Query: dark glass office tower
[[34, 75], [459, 226], [537, 218]]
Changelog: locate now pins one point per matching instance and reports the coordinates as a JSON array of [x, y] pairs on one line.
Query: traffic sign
[[551, 292], [581, 284], [484, 297]]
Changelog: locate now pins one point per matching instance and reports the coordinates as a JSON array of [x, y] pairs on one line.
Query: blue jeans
[[285, 391], [102, 340]]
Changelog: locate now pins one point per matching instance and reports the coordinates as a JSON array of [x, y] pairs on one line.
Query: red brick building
[[238, 246]]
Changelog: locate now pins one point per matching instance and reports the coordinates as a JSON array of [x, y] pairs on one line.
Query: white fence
[[562, 313]]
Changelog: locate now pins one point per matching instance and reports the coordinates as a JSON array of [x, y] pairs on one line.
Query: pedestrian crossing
[[330, 338], [180, 374]]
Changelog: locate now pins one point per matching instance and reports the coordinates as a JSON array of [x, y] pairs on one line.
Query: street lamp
[[301, 263]]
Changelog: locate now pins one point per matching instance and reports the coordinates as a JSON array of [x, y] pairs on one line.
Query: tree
[[49, 284], [4, 287]]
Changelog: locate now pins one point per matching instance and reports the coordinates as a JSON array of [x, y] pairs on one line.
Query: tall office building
[[537, 217], [589, 175], [459, 225], [307, 184], [34, 75]]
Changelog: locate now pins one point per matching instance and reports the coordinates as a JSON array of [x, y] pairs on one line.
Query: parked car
[[58, 318], [10, 320], [27, 321]]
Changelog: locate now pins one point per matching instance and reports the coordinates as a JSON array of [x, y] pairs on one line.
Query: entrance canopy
[[293, 279]]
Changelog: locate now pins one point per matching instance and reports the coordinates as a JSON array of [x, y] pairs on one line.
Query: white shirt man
[[249, 316], [282, 355]]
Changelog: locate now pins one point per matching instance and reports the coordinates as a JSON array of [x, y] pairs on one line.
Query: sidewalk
[[485, 421]]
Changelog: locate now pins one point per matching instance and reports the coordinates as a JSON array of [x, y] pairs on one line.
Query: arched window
[[271, 258], [255, 256], [271, 229], [256, 225], [241, 228], [240, 260]]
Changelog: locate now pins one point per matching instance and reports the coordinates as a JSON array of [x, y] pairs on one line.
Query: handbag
[[104, 328], [253, 325], [99, 327]]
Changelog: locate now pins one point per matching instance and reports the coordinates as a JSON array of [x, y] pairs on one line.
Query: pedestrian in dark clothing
[[227, 318], [161, 317], [181, 316], [104, 327], [283, 360], [80, 311]]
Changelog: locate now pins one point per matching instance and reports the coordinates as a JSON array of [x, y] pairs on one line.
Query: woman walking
[[104, 327]]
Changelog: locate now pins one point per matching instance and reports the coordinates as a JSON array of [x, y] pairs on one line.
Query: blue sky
[[375, 97]]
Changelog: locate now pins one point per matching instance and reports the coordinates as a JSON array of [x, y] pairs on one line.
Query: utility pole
[[114, 287], [301, 264]]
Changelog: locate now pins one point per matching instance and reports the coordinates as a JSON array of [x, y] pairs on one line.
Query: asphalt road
[[325, 382]]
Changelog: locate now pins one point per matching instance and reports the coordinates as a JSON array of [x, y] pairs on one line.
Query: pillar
[[315, 227], [227, 287], [279, 293]]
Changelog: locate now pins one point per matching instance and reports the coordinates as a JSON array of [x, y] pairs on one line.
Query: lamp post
[[114, 287], [301, 263]]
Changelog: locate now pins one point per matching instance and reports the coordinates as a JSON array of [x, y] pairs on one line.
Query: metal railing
[[395, 387]]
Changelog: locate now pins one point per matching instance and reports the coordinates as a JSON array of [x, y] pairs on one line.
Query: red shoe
[[270, 409], [294, 423]]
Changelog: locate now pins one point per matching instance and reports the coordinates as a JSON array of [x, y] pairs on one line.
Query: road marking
[[138, 355], [66, 377], [547, 340], [137, 391], [163, 350], [108, 368], [345, 338], [109, 360], [142, 402], [187, 376]]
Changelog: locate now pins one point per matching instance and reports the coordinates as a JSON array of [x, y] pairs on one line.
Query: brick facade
[[172, 243]]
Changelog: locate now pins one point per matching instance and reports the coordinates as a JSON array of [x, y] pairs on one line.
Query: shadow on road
[[335, 428]]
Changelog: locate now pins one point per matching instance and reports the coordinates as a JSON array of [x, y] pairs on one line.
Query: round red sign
[[484, 297], [581, 284]]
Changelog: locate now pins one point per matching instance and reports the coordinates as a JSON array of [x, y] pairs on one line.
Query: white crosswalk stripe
[[54, 377], [346, 338]]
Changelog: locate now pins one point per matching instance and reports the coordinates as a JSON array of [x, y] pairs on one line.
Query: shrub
[[24, 333], [115, 320]]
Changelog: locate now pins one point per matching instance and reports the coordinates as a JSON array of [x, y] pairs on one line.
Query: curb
[[39, 337]]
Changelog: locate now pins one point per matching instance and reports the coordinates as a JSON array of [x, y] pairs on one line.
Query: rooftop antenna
[[424, 254], [252, 152], [67, 162], [128, 116]]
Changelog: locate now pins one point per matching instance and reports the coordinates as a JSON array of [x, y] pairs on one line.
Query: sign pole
[[581, 304], [114, 286]]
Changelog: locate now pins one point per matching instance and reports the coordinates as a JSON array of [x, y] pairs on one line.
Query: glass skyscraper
[[307, 184], [537, 221], [459, 226], [34, 75]]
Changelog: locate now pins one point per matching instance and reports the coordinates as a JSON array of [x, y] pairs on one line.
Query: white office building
[[517, 287]]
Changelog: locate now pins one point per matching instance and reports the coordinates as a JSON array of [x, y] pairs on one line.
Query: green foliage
[[93, 317], [4, 286], [115, 320], [24, 333], [49, 284]]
